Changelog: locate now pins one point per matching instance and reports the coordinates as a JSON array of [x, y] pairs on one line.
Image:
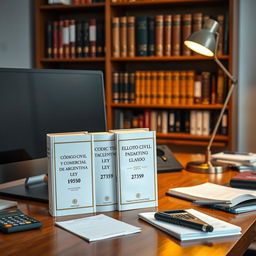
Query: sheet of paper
[[221, 228], [98, 227], [4, 204]]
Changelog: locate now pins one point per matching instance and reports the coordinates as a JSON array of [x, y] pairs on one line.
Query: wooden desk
[[51, 240]]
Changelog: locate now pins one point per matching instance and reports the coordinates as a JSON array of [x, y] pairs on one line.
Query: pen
[[183, 218]]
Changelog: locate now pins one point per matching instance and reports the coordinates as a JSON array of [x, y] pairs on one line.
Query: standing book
[[136, 169], [105, 171], [70, 173]]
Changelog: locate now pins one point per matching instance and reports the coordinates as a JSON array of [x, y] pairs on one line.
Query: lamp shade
[[204, 41]]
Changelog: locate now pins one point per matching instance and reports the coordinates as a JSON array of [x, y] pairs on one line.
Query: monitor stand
[[35, 188]]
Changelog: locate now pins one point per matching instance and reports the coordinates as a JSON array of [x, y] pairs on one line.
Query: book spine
[[206, 123], [49, 39], [224, 124], [177, 121], [176, 34], [142, 36], [132, 87], [137, 87], [151, 36], [175, 88], [167, 35], [190, 76], [160, 92], [168, 88], [86, 39], [126, 87], [159, 24], [123, 36], [206, 87], [115, 37], [220, 19], [66, 50], [171, 122], [199, 122], [136, 189], [131, 36], [220, 87], [115, 87], [198, 89], [193, 122], [55, 39], [60, 39], [164, 121], [142, 87], [154, 87], [213, 89], [148, 87], [186, 32], [92, 37], [183, 88], [79, 39], [100, 39], [105, 173], [72, 38], [187, 122], [51, 177], [121, 87]]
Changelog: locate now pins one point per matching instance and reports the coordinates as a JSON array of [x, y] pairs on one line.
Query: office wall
[[247, 76], [16, 47]]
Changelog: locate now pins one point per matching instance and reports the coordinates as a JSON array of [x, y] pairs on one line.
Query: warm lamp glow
[[199, 48]]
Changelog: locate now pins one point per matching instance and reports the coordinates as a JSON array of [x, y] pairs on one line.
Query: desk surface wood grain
[[52, 240]]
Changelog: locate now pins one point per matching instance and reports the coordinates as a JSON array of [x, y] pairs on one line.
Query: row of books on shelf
[[169, 87], [101, 171], [161, 35], [72, 38], [75, 2], [194, 122]]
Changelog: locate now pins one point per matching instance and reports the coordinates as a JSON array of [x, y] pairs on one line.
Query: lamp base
[[204, 167]]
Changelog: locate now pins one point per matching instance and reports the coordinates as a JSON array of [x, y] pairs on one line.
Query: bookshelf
[[109, 64]]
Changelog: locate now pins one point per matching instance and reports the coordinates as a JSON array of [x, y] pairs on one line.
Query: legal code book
[[70, 173], [213, 194], [136, 169], [105, 170], [220, 228]]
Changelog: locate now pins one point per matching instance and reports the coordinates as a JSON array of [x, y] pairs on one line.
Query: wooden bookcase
[[109, 64]]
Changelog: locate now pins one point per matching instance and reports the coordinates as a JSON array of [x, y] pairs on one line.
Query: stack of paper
[[217, 196], [98, 227], [221, 228], [236, 160]]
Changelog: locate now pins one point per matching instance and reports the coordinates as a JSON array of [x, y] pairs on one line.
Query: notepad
[[209, 193], [221, 228], [98, 227]]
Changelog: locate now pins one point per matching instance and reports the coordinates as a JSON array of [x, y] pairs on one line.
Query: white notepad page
[[221, 228], [98, 227]]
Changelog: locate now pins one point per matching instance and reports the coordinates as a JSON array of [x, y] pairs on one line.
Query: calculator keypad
[[14, 220]]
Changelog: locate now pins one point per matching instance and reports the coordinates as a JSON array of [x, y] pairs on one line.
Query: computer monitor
[[34, 102]]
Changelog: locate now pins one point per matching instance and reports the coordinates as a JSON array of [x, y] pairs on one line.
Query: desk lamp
[[205, 42]]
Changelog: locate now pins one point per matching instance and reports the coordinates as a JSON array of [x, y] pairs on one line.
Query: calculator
[[14, 220]]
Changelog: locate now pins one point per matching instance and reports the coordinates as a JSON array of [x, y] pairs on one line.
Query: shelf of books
[[151, 79]]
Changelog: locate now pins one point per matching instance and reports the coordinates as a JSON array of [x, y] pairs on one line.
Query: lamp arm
[[221, 115], [234, 83]]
